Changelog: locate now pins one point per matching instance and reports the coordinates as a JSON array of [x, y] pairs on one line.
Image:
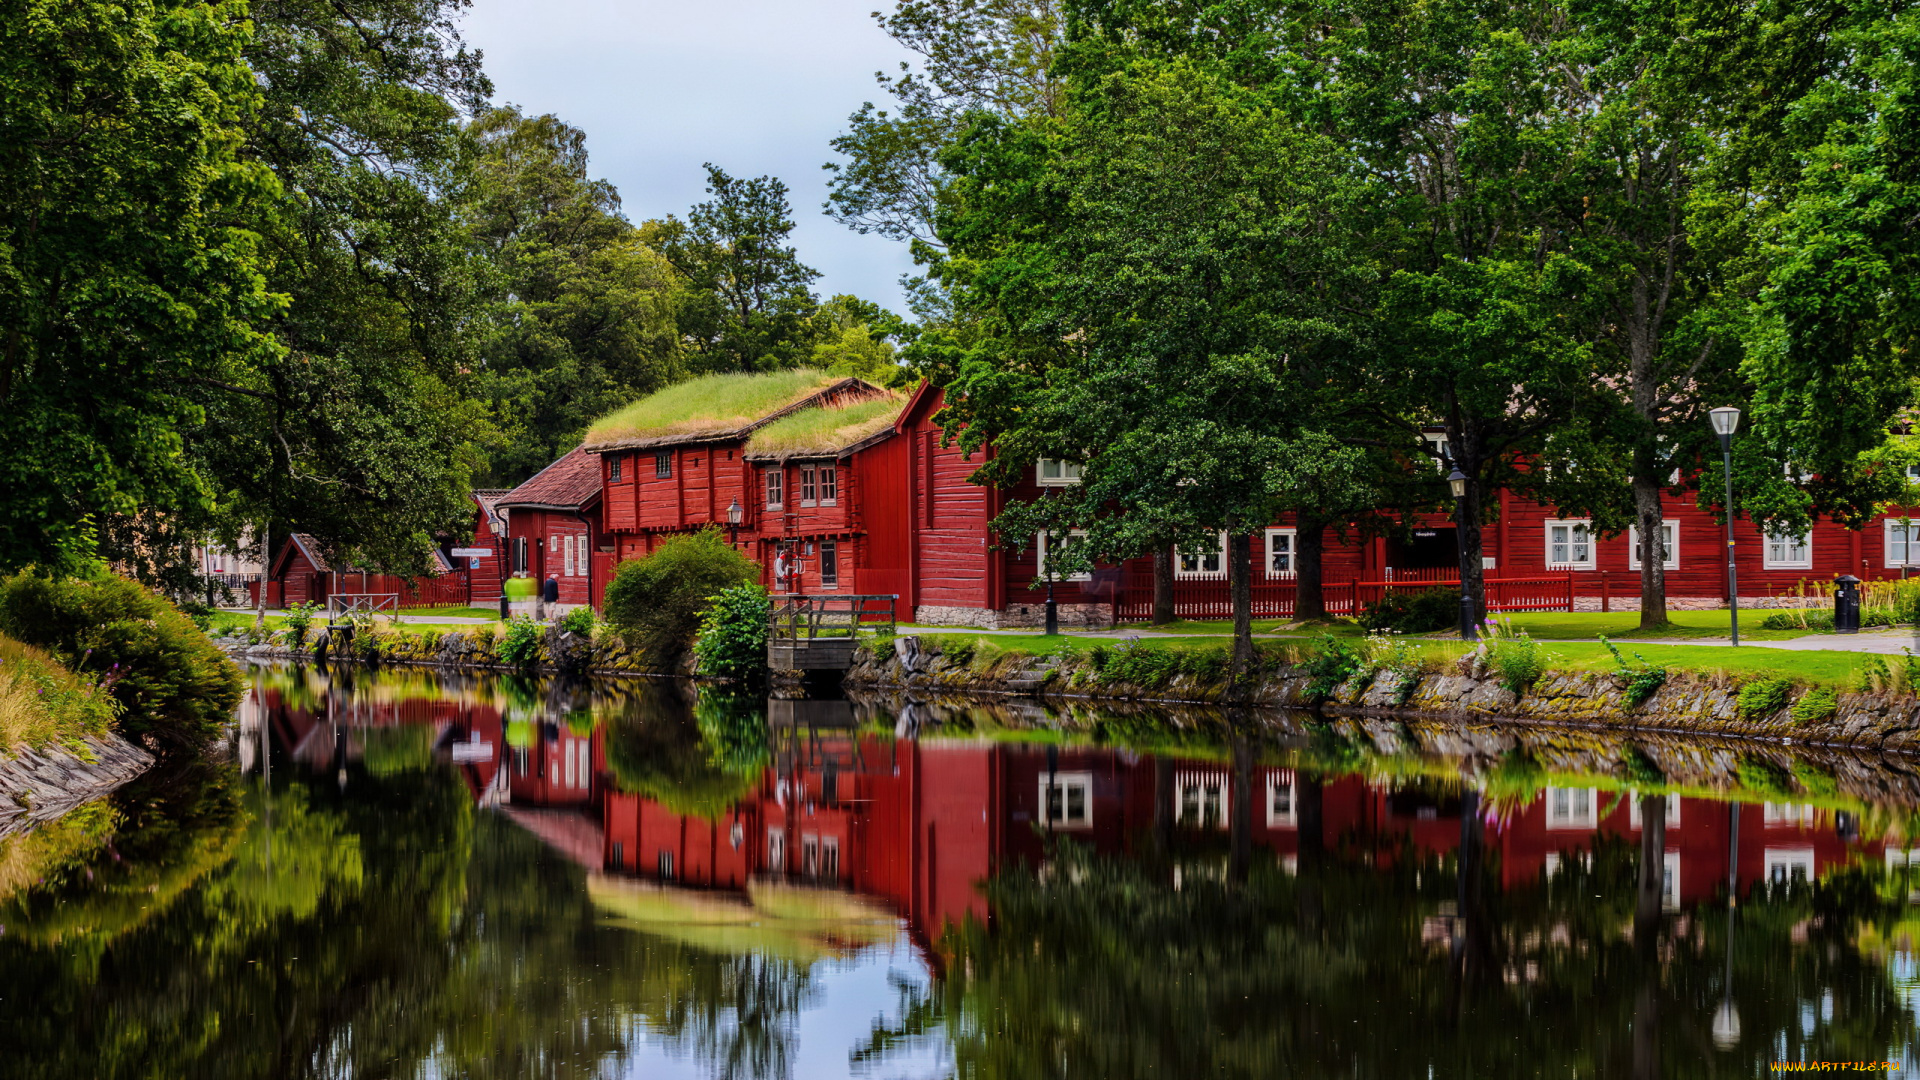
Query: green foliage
[[657, 602], [1140, 664], [299, 619], [1643, 679], [733, 632], [1399, 658], [1815, 779], [42, 702], [1763, 777], [658, 748], [1516, 774], [1332, 665], [733, 725], [523, 645], [580, 621], [1641, 769], [882, 647], [708, 404], [1764, 697], [1875, 677], [171, 682], [959, 651], [1516, 658], [1420, 612], [1816, 705]]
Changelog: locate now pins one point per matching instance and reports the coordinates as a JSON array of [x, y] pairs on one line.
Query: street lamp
[[1469, 616], [1053, 610], [733, 522], [1725, 420]]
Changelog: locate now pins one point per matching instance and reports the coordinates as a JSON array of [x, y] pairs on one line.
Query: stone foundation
[[41, 785], [1016, 616]]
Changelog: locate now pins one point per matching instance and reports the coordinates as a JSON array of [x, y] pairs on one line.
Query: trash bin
[[1846, 604]]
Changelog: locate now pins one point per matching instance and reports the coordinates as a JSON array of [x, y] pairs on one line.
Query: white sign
[[472, 553]]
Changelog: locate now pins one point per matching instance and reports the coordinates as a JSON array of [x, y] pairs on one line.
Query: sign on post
[[472, 553]]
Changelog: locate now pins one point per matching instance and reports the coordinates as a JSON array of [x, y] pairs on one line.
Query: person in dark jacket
[[549, 594]]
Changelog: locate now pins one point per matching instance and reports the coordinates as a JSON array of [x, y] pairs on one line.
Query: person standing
[[549, 594]]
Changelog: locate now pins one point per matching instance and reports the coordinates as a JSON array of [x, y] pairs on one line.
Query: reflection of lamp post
[[1725, 420], [1726, 1019], [734, 513], [1469, 616]]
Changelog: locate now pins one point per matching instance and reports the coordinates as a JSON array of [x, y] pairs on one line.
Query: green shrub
[[656, 602], [1814, 779], [41, 701], [521, 649], [1139, 664], [300, 620], [580, 621], [881, 646], [733, 633], [170, 680], [1208, 664], [1641, 769], [1815, 705], [1413, 612], [1643, 679], [959, 651], [1518, 661], [1764, 697], [1763, 777], [1399, 658], [1332, 665], [1874, 677]]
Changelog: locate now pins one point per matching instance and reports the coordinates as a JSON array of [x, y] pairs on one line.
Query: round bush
[[657, 602]]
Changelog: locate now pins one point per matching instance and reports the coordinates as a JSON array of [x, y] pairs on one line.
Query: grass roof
[[709, 405], [826, 430]]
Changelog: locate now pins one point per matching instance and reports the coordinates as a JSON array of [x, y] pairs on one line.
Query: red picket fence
[[439, 591], [1213, 600]]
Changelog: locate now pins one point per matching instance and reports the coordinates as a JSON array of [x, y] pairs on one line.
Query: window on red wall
[[613, 467], [775, 485], [830, 564], [663, 464], [809, 491], [829, 485]]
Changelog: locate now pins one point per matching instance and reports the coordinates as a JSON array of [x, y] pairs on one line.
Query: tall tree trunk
[[1163, 586], [1653, 872], [1240, 842], [266, 570], [1473, 577], [1240, 571], [1653, 573], [1309, 550]]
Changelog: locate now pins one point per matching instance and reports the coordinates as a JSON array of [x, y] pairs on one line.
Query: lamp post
[[733, 522], [1053, 611], [1726, 420], [1469, 616]]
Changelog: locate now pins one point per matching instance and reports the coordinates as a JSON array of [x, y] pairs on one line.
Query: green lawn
[[1546, 625]]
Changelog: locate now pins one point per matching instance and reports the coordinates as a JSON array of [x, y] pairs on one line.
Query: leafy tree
[[747, 304], [851, 341], [657, 601], [127, 266], [580, 311], [1146, 273]]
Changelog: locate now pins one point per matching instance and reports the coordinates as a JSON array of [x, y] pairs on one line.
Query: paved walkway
[[1890, 641]]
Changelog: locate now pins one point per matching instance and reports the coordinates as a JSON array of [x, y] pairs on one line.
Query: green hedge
[[171, 682], [657, 602]]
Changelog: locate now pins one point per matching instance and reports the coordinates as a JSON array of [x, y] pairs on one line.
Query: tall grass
[[827, 430], [41, 701], [712, 403]]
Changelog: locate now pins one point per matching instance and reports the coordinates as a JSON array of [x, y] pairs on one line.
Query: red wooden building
[[554, 529]]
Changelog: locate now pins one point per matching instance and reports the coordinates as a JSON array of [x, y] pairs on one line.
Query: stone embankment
[[558, 651], [1687, 702], [40, 785]]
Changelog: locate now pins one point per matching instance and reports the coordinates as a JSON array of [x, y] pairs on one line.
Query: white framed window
[[1207, 563], [1789, 551], [829, 485], [1202, 799], [1670, 881], [1066, 800], [829, 564], [776, 851], [1280, 553], [809, 855], [1786, 866], [1283, 812], [1903, 538], [1913, 474], [1437, 442], [1054, 472], [1073, 536], [809, 488], [1673, 811], [1669, 546], [1787, 814], [1573, 808], [1570, 545], [776, 487]]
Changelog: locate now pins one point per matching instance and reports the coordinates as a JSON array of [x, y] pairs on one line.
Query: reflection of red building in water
[[922, 823]]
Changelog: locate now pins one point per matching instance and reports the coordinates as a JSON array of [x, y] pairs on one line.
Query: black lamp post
[[1053, 612], [1726, 420], [1469, 616], [733, 522]]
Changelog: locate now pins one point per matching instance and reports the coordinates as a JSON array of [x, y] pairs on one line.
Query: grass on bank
[[1813, 667], [1543, 625], [41, 702]]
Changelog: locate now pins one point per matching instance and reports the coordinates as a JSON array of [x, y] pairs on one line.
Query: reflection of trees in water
[[1104, 967], [697, 759], [739, 1014]]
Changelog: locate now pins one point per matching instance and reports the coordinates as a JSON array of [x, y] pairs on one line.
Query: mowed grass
[[711, 403], [1545, 625]]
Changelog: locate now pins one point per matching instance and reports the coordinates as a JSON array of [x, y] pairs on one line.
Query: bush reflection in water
[[369, 915]]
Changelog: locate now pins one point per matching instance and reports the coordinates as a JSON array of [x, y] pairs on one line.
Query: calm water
[[400, 875]]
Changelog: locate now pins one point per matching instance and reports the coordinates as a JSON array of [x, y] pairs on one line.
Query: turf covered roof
[[828, 431], [716, 407]]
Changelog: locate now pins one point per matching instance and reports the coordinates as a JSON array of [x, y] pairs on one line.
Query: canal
[[402, 874]]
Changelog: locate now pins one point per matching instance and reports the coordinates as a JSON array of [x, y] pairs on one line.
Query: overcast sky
[[757, 87]]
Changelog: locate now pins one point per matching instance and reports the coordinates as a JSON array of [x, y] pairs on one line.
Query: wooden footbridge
[[819, 633]]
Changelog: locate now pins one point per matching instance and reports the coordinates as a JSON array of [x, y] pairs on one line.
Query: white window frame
[[809, 488], [829, 564], [776, 851], [566, 556], [1040, 545], [1780, 864], [1909, 531], [1805, 544], [1281, 783], [774, 487], [1575, 813], [1218, 783], [1584, 524], [1065, 473], [663, 464], [830, 484], [1293, 554], [613, 468], [1067, 782], [1673, 811], [1179, 558], [1671, 562], [1788, 815], [1440, 446]]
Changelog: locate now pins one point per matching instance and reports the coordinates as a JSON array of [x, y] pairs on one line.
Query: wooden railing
[[1214, 599], [827, 615], [340, 605]]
